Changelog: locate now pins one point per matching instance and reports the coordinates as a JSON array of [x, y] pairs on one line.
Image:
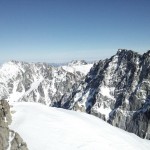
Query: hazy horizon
[[65, 61]]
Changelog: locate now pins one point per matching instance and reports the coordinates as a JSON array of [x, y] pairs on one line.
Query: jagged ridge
[[118, 91]]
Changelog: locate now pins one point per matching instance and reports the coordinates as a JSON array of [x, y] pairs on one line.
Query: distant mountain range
[[40, 82], [115, 89]]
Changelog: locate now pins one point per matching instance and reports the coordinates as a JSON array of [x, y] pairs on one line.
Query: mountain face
[[118, 91], [39, 82], [8, 138]]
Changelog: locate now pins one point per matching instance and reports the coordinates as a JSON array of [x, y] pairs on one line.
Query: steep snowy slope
[[45, 128], [39, 82]]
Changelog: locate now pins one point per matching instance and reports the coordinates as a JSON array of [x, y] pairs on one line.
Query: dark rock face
[[8, 138], [118, 91]]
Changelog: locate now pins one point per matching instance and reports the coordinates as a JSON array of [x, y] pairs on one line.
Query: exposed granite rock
[[9, 140], [118, 91], [17, 142]]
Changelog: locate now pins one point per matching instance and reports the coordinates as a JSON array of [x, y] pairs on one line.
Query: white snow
[[8, 70], [34, 85], [81, 68], [11, 137], [105, 91], [77, 96], [45, 128], [104, 111]]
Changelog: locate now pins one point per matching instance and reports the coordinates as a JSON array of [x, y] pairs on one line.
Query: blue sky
[[62, 30]]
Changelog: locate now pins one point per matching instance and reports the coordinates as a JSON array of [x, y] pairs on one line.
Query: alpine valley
[[116, 90]]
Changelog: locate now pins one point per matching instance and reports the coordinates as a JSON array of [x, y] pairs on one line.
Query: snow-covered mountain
[[39, 82], [45, 128], [118, 91]]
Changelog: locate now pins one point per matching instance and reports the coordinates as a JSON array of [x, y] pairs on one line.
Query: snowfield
[[46, 128]]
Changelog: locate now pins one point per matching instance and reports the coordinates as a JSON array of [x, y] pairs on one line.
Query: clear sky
[[62, 30]]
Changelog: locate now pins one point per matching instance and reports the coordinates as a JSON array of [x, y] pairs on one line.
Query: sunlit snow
[[81, 68], [45, 128]]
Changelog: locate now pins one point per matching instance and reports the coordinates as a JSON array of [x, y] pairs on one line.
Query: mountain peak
[[123, 51], [127, 53]]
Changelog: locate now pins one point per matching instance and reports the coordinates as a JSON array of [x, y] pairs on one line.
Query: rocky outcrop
[[9, 140], [118, 91]]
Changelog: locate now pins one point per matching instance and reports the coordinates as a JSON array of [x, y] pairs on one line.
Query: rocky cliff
[[9, 140], [118, 91]]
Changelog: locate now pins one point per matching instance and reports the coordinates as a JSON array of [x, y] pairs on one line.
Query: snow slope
[[45, 128]]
